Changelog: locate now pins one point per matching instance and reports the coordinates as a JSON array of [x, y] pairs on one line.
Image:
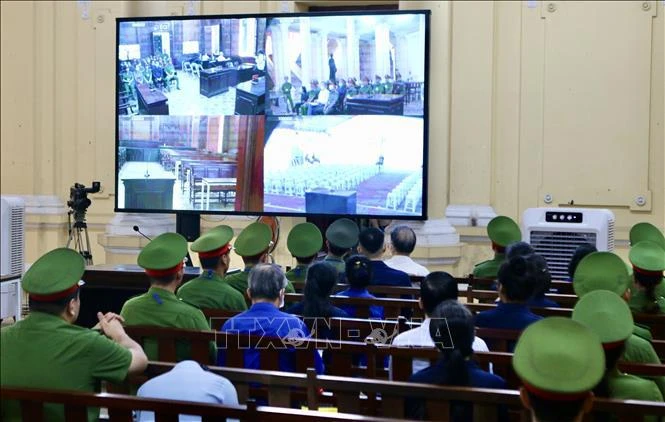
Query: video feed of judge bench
[[285, 115]]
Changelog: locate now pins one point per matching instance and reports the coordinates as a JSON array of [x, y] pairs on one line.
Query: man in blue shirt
[[266, 291], [372, 246]]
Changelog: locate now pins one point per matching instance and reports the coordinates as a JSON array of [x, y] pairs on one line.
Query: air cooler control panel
[[563, 217]]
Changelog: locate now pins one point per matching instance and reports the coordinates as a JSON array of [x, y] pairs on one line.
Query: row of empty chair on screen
[[296, 181], [407, 195]]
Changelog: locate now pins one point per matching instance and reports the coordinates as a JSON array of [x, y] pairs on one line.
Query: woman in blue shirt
[[359, 275], [452, 331], [517, 284]]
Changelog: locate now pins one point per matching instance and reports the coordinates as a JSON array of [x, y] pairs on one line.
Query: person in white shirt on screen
[[403, 242], [434, 289]]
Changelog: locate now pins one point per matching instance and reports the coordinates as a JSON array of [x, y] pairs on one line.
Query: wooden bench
[[373, 397], [392, 307], [121, 407]]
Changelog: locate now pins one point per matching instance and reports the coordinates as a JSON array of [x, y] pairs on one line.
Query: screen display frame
[[426, 94]]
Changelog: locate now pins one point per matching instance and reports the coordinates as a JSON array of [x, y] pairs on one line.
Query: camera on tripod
[[78, 196]]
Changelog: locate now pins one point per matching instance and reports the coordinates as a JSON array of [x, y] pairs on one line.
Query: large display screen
[[317, 114]]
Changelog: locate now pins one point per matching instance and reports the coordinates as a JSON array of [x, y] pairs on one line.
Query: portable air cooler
[[555, 233]]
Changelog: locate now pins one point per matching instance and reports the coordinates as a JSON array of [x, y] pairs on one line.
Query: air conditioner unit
[[555, 233], [12, 235]]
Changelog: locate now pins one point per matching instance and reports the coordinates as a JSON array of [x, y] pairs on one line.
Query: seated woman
[[517, 282], [359, 275], [452, 331], [321, 278]]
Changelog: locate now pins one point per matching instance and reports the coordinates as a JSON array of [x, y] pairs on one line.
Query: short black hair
[[55, 307], [337, 250], [555, 410], [306, 260], [403, 239], [358, 271], [210, 263], [582, 250], [518, 278], [436, 287], [371, 239], [163, 280], [519, 249], [542, 277]]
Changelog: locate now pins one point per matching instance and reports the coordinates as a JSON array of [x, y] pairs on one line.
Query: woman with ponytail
[[321, 278], [452, 331], [518, 278], [359, 274], [648, 292]]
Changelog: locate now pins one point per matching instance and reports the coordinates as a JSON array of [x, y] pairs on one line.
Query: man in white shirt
[[189, 381], [403, 242], [437, 287]]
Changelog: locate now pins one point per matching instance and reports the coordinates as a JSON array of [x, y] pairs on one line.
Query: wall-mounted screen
[[316, 114]]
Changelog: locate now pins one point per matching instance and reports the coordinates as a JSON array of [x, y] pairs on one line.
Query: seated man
[[46, 350], [266, 291], [252, 245], [171, 75], [312, 96], [162, 260], [365, 87], [549, 390], [436, 288], [388, 85], [403, 242], [502, 231], [378, 87], [304, 243], [189, 381], [209, 290], [317, 106], [371, 245]]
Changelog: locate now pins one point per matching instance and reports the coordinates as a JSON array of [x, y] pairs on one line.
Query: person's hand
[[111, 325]]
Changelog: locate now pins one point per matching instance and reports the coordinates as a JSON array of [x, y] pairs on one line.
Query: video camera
[[78, 196]]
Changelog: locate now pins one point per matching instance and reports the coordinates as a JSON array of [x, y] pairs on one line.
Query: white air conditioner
[[555, 233], [12, 235]]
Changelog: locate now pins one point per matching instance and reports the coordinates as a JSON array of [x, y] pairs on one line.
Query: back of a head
[[437, 287], [519, 249], [358, 271], [266, 281], [371, 239], [452, 331], [403, 239], [321, 278], [518, 278], [582, 250], [543, 277]]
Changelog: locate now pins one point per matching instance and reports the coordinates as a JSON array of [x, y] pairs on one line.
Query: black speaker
[[188, 225]]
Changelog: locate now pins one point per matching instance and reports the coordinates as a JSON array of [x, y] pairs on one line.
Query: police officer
[[286, 91], [304, 242], [548, 389], [648, 290], [46, 349], [252, 245], [341, 238], [502, 231], [163, 261], [209, 290], [607, 271], [646, 231], [609, 317]]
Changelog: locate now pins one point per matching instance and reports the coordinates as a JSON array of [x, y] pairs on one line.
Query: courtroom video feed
[[362, 165], [347, 65], [192, 67], [190, 163]]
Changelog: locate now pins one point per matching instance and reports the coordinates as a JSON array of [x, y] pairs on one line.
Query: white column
[[352, 49], [323, 53], [306, 54], [381, 54]]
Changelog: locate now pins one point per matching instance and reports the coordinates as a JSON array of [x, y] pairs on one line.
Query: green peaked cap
[[54, 272], [646, 231], [215, 238], [606, 314], [559, 355], [163, 252], [304, 240], [503, 231], [601, 271], [253, 240], [647, 255], [343, 233]]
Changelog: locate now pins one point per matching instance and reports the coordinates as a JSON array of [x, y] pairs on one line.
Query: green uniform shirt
[[489, 268], [639, 302], [630, 387], [209, 291], [162, 308], [365, 89], [239, 281], [339, 265], [388, 87], [297, 274], [44, 351], [378, 88], [640, 350], [286, 88]]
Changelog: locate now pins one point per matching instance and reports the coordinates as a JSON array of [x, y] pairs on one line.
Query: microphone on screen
[[136, 229]]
